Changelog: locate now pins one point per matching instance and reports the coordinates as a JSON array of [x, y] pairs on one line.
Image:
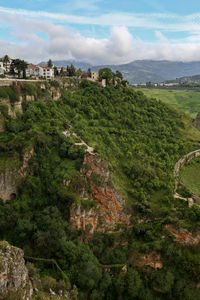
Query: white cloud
[[62, 42]]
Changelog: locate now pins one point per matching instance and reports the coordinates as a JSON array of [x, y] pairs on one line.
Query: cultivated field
[[186, 100]]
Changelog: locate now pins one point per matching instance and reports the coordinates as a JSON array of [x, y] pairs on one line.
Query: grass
[[190, 176], [185, 100]]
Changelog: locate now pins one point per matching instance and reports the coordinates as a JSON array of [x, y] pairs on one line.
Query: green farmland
[[185, 100]]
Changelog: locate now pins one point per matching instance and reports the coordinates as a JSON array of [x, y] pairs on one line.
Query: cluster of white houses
[[46, 72], [31, 71]]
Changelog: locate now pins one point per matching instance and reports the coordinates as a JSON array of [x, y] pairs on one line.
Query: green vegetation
[[185, 100], [190, 175], [141, 139]]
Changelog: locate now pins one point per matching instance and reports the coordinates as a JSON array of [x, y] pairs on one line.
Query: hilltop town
[[20, 69]]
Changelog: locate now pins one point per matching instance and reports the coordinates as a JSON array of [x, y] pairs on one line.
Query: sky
[[100, 31]]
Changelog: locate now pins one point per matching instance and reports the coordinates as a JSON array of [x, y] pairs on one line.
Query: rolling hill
[[143, 70]]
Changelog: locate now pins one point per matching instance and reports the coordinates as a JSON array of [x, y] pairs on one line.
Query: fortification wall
[[9, 82]]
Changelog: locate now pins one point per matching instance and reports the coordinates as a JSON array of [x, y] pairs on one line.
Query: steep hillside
[[97, 191]]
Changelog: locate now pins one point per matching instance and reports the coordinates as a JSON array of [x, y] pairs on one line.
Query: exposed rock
[[55, 93], [124, 269], [183, 236], [42, 86], [13, 108], [8, 184], [30, 98], [152, 260], [109, 210], [190, 202], [11, 174], [13, 272], [24, 171], [15, 282]]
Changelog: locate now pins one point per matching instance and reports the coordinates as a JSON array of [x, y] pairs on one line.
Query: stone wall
[[9, 82], [194, 198]]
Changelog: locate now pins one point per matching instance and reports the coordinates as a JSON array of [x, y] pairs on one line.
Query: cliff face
[[11, 175], [13, 108], [152, 259], [109, 210], [13, 273], [183, 236], [8, 184]]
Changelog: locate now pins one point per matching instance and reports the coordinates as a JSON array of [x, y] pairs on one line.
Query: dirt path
[[89, 149]]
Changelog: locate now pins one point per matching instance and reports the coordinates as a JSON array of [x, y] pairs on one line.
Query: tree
[[106, 73], [71, 70], [119, 75], [20, 66], [55, 71], [5, 60], [78, 72], [50, 64], [89, 72]]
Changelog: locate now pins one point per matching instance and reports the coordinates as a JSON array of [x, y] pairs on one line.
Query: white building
[[46, 72], [95, 76], [2, 69], [32, 71], [39, 71]]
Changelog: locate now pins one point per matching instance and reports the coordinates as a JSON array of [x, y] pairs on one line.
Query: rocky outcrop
[[183, 236], [13, 108], [17, 284], [152, 260], [8, 184], [13, 273], [109, 208], [11, 174], [29, 98], [55, 93]]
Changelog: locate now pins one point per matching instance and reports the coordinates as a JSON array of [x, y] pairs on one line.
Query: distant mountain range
[[195, 79], [144, 70], [64, 63]]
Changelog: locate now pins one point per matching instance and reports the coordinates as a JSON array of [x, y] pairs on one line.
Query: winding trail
[[89, 149]]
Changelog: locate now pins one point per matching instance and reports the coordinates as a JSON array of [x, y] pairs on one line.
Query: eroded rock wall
[[11, 176], [183, 236], [109, 210]]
